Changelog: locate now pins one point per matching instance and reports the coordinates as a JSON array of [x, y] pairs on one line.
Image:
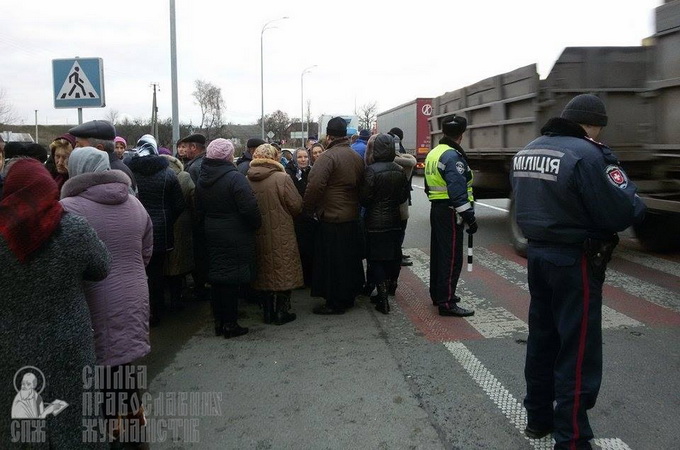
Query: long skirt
[[338, 272]]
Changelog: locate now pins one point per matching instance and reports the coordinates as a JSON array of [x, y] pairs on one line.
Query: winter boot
[[282, 308], [233, 329], [268, 307], [392, 287], [383, 301]]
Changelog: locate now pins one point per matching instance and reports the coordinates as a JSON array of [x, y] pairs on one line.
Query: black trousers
[[446, 254], [564, 349]]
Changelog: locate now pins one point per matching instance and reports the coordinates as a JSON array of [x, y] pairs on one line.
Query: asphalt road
[[413, 379]]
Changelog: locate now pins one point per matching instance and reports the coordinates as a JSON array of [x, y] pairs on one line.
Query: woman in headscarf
[[119, 304], [161, 195], [57, 163], [316, 149], [305, 226], [227, 214], [46, 255], [382, 190], [279, 201]]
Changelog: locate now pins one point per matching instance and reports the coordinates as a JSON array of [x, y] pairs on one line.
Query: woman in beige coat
[[278, 260]]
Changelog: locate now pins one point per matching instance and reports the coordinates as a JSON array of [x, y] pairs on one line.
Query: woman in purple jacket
[[119, 304]]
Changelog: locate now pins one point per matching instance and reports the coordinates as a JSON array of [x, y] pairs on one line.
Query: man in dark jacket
[[161, 195], [333, 195], [571, 199], [243, 163], [100, 135], [194, 147]]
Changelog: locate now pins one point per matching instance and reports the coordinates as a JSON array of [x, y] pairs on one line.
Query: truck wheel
[[519, 242], [659, 232]]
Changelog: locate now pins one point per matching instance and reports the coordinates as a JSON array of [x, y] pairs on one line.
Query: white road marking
[[489, 320], [476, 203], [652, 262], [643, 289], [611, 319], [506, 402]]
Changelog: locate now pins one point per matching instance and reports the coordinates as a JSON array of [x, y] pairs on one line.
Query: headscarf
[[146, 145], [29, 209], [266, 151], [298, 169], [87, 159]]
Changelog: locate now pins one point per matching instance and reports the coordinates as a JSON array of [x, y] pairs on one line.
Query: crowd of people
[[108, 238]]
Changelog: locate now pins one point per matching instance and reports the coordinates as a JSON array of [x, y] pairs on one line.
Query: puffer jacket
[[333, 188], [384, 188], [161, 195], [278, 258], [228, 216]]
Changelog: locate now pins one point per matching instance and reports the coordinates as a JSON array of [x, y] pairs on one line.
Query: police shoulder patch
[[460, 167], [616, 176]]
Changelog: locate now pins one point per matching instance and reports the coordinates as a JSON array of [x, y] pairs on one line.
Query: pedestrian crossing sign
[[78, 83]]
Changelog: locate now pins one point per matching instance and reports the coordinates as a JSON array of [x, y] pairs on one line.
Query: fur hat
[[32, 150], [587, 109], [454, 126], [221, 149], [336, 127]]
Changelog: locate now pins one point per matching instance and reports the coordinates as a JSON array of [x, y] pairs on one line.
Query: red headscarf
[[29, 209]]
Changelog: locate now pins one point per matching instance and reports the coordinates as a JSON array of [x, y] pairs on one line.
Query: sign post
[[78, 83]]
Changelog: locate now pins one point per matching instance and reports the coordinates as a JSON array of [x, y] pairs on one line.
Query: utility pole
[[173, 77], [36, 127], [154, 113]]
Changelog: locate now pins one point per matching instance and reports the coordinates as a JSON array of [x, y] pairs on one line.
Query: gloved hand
[[469, 218]]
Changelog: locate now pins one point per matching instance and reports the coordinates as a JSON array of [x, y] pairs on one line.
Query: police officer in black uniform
[[448, 185], [571, 198]]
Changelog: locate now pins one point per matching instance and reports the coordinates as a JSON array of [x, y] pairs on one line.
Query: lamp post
[[264, 28], [36, 126], [302, 102]]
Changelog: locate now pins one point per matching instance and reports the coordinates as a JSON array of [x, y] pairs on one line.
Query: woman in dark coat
[[382, 190], [305, 226], [227, 211], [161, 195], [45, 320]]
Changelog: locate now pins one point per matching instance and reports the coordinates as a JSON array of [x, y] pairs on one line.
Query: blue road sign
[[78, 83]]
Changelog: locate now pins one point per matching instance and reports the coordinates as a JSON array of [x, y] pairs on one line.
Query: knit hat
[[336, 127], [266, 151], [71, 139], [254, 142], [397, 132], [146, 145], [164, 151], [120, 139], [364, 134], [221, 149], [586, 109], [455, 126]]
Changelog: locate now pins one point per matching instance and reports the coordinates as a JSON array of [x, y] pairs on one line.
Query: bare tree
[[7, 112], [112, 116], [209, 99], [277, 122], [367, 115]]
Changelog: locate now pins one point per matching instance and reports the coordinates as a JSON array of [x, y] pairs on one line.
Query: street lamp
[[302, 102], [264, 28]]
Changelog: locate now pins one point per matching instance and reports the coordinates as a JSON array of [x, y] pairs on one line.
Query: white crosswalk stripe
[[651, 262], [517, 275]]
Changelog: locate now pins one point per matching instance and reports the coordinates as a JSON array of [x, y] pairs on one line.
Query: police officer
[[571, 198], [448, 185]]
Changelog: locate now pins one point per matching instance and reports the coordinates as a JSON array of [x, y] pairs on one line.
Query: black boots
[[282, 314], [219, 327], [233, 329], [268, 308], [382, 301]]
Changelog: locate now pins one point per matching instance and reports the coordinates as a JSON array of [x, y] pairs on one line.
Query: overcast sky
[[364, 51]]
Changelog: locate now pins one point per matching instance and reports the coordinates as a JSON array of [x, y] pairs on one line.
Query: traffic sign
[[78, 83], [270, 134]]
